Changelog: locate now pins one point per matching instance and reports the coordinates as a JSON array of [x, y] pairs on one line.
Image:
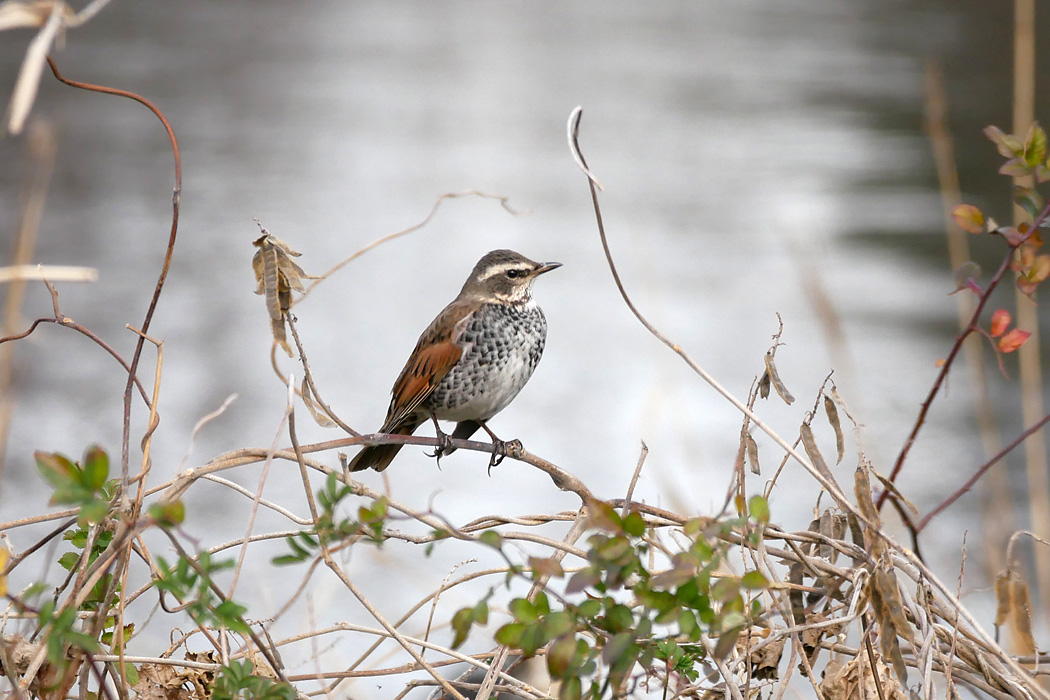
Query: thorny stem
[[956, 347]]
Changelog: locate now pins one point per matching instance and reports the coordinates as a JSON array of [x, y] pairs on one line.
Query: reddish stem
[[980, 472], [175, 200], [970, 328]]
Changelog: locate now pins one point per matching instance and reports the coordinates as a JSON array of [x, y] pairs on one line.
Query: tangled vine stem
[[829, 485], [169, 251]]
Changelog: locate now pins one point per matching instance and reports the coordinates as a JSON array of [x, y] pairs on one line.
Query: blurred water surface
[[747, 149]]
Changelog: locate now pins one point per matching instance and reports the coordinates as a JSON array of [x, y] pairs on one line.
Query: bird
[[471, 361]]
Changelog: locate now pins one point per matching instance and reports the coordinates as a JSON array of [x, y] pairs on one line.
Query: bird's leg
[[444, 441], [499, 448]]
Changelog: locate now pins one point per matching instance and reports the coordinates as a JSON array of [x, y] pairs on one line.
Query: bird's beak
[[546, 267]]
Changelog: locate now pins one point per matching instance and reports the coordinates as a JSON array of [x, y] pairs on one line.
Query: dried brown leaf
[[778, 383], [832, 524], [726, 642], [21, 15], [862, 490], [856, 680], [267, 278], [752, 453], [1003, 598], [277, 276], [24, 93], [765, 659], [897, 495], [836, 424], [841, 403], [315, 410], [1021, 618], [810, 444], [763, 385], [888, 643], [161, 682]]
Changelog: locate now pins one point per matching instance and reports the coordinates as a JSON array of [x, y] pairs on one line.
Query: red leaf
[[1013, 340], [1000, 322], [969, 218]]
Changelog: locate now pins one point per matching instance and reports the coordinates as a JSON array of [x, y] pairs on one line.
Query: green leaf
[[168, 513], [531, 640], [509, 635], [480, 613], [582, 580], [95, 468], [131, 674], [1029, 200], [589, 609], [725, 589], [230, 614], [557, 623], [1008, 145], [603, 516], [93, 512], [634, 524], [753, 580], [619, 618], [523, 610], [461, 623], [1015, 167], [561, 656], [617, 648], [731, 621], [1035, 145], [571, 689], [615, 549], [68, 560], [657, 600], [56, 469], [758, 507], [687, 624], [545, 567], [491, 538]]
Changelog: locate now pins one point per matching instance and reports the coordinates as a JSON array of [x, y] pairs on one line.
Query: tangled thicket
[[626, 600]]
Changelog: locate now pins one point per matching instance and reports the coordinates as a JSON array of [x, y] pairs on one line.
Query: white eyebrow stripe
[[500, 269]]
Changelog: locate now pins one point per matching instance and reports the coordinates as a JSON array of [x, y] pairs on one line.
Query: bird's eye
[[514, 273]]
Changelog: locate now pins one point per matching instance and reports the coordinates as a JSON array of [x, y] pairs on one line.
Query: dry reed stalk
[[41, 147], [1027, 315], [996, 504]]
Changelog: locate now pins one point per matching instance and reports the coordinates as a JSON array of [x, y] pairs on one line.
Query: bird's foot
[[444, 445], [500, 450]]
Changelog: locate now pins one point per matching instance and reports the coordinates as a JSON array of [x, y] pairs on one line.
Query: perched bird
[[472, 360]]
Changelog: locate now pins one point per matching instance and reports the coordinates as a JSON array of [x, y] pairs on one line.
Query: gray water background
[[744, 147]]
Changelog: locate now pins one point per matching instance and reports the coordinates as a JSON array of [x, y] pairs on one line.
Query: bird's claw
[[444, 443], [500, 450]]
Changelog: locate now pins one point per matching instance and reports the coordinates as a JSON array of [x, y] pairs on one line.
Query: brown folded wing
[[435, 354]]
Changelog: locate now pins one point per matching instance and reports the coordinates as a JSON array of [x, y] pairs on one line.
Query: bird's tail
[[379, 457]]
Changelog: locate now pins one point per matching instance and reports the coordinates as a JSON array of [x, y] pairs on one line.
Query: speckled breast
[[501, 347]]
